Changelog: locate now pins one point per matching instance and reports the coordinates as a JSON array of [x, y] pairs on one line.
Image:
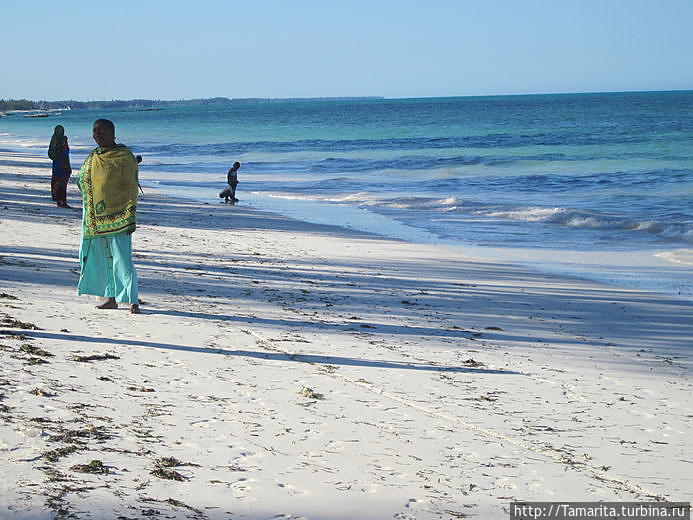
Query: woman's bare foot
[[108, 304], [135, 308]]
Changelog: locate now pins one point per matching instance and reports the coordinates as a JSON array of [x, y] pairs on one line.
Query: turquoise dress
[[106, 267]]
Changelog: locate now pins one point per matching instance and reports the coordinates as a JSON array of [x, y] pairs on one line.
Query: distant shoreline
[[26, 104], [10, 105]]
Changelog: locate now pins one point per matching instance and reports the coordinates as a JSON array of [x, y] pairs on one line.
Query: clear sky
[[171, 49]]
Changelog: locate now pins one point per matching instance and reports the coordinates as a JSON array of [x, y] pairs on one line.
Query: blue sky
[[304, 48]]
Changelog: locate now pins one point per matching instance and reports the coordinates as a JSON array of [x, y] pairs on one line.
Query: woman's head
[[104, 133], [58, 140]]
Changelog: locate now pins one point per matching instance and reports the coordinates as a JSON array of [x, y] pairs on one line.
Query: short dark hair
[[106, 122], [236, 164]]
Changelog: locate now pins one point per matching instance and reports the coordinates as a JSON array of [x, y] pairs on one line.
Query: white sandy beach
[[285, 370]]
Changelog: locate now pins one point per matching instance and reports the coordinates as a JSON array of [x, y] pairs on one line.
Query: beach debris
[[472, 363], [492, 328], [310, 393], [56, 454], [34, 351], [168, 474], [170, 501], [41, 392], [42, 420], [178, 503], [9, 321], [6, 296], [330, 369], [92, 357], [490, 397], [172, 462], [71, 436], [95, 467], [36, 361], [140, 389], [167, 462], [544, 428]]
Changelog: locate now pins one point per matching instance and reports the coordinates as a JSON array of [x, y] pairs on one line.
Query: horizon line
[[373, 97]]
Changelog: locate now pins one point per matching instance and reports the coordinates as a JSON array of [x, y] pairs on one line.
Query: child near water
[[229, 193]]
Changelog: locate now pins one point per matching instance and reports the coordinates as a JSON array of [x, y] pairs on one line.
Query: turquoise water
[[599, 185]]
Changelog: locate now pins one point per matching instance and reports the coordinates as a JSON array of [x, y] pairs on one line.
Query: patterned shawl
[[108, 182]]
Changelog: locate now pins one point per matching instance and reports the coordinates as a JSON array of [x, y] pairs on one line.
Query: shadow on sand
[[270, 356]]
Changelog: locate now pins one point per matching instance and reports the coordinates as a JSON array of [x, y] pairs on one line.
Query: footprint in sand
[[204, 423], [242, 486], [291, 490], [414, 503]]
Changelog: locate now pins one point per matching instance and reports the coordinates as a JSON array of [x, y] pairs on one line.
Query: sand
[[288, 370]]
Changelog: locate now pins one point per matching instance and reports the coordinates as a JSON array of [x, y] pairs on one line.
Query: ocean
[[598, 186]]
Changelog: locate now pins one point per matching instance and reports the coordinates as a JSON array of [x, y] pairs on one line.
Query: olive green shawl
[[108, 182]]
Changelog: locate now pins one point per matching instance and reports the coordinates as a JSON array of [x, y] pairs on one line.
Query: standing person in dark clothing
[[59, 153]]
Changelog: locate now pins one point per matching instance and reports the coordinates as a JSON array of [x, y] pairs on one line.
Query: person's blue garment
[[106, 267]]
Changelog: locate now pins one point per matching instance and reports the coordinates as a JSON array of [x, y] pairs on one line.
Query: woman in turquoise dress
[[108, 182]]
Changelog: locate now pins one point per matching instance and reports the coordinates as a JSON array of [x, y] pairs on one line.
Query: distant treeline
[[25, 104]]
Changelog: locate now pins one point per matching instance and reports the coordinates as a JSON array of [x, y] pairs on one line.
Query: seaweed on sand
[[95, 466], [10, 321], [92, 357]]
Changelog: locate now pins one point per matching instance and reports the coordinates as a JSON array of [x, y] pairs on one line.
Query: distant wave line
[[409, 143]]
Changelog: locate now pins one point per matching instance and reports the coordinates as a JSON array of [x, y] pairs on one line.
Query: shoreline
[[663, 270], [301, 369]]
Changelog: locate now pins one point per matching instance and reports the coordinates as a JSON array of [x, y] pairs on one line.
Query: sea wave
[[677, 227], [484, 141], [595, 220]]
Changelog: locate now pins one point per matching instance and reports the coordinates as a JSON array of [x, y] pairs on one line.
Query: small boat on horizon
[[39, 114]]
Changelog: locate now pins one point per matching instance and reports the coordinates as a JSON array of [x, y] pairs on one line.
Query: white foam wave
[[417, 203], [528, 214], [362, 197], [582, 219], [679, 256]]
